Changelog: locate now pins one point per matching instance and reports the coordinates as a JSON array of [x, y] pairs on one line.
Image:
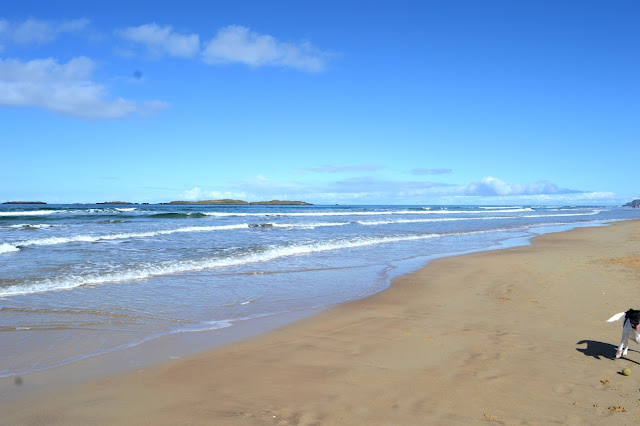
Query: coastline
[[514, 335]]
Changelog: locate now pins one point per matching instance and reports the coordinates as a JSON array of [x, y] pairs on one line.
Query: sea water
[[78, 281]]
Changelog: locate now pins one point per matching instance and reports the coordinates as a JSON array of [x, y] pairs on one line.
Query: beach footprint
[[563, 388]]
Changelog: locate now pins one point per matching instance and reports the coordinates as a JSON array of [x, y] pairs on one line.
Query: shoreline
[[421, 349], [140, 354]]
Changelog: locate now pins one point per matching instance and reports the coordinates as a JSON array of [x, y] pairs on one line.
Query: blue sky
[[403, 102]]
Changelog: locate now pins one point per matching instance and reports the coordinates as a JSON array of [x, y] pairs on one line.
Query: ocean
[[80, 281]]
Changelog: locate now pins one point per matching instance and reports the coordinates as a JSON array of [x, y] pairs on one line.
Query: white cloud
[[490, 186], [196, 193], [193, 194], [64, 89], [161, 41], [583, 198], [239, 44], [36, 31]]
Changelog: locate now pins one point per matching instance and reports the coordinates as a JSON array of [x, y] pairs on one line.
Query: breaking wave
[[454, 219], [365, 213], [179, 215], [94, 238], [8, 248], [29, 213], [265, 254], [176, 267], [28, 226]]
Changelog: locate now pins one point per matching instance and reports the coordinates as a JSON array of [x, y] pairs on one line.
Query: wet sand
[[515, 336]]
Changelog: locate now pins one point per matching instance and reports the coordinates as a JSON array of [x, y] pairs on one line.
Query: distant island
[[635, 204], [230, 202], [24, 202]]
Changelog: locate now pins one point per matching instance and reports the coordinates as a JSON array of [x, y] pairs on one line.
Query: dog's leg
[[626, 349], [621, 347]]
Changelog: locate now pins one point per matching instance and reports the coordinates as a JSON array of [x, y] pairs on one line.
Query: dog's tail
[[616, 317]]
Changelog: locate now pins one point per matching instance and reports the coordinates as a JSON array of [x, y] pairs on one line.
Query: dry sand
[[515, 336]]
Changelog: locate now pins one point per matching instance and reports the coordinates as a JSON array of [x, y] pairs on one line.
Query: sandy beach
[[514, 336]]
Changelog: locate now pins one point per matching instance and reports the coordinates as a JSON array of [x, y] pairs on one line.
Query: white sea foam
[[8, 248], [590, 213], [169, 268], [447, 219], [29, 213], [93, 238], [502, 207], [28, 226], [308, 225], [129, 209], [367, 213], [453, 219], [307, 214]]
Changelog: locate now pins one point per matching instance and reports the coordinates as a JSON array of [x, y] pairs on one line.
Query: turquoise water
[[77, 281]]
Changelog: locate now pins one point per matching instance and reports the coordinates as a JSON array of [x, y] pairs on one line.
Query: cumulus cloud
[[490, 186], [64, 89], [36, 31], [193, 194], [162, 41], [421, 171], [239, 44], [196, 193]]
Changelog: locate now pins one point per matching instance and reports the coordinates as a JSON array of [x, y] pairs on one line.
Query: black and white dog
[[630, 329]]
